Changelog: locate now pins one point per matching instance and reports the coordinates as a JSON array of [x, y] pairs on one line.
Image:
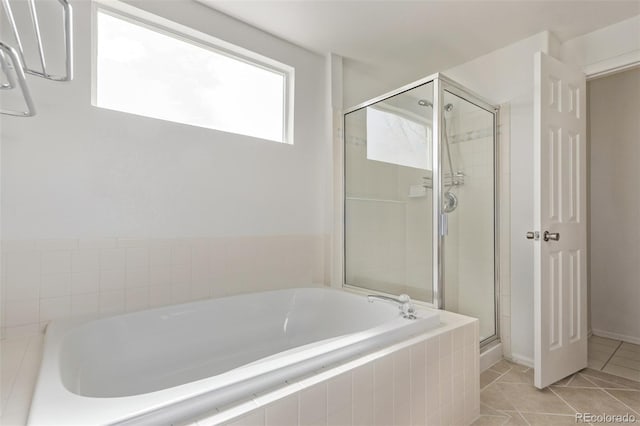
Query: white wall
[[614, 136], [605, 48], [80, 175], [75, 170]]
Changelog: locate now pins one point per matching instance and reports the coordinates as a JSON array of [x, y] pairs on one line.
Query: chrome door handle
[[554, 236]]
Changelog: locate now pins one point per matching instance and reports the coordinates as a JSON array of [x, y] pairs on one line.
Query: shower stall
[[420, 198]]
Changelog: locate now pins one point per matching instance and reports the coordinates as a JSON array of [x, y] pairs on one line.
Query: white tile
[[446, 380], [254, 418], [85, 261], [160, 255], [22, 290], [21, 312], [180, 293], [181, 255], [137, 277], [59, 244], [13, 351], [180, 275], [14, 417], [433, 375], [17, 245], [137, 257], [445, 342], [363, 395], [133, 242], [136, 298], [112, 279], [160, 274], [22, 275], [418, 384], [383, 409], [402, 386], [159, 295], [111, 302], [85, 282], [446, 414], [339, 399], [458, 338], [199, 291], [313, 405], [55, 285], [114, 258], [55, 308], [283, 412], [200, 274], [97, 243], [84, 304], [56, 262], [383, 372], [22, 331]]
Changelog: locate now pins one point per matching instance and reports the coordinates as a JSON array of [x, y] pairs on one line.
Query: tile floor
[[615, 357], [508, 397]]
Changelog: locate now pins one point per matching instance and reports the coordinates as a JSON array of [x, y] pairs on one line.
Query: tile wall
[[45, 280], [428, 381]]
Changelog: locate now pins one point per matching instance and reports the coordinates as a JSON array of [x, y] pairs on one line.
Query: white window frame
[[190, 35]]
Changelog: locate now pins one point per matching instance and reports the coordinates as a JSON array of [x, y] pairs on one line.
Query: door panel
[[560, 212]]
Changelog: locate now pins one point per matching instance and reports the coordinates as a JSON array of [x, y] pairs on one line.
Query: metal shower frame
[[441, 84]]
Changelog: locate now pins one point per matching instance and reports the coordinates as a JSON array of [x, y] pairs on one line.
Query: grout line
[[509, 417], [612, 396], [562, 399], [614, 352]]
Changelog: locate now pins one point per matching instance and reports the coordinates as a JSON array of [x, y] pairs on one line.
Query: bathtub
[[174, 363]]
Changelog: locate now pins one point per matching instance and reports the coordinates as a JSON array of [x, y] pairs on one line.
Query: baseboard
[[522, 360], [490, 356], [616, 336]]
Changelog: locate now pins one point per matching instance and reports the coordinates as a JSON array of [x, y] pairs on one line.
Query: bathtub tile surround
[[43, 280], [432, 379]]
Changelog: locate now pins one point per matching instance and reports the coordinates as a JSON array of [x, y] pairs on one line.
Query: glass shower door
[[468, 201], [388, 201]]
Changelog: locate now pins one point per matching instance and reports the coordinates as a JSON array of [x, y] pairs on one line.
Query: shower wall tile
[[48, 279]]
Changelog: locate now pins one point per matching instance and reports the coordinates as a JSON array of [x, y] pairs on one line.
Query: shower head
[[426, 103]]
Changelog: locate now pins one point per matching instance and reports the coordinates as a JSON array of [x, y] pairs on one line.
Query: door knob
[[554, 236], [531, 235]]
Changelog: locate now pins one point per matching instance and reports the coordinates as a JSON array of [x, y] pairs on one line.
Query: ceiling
[[431, 35]]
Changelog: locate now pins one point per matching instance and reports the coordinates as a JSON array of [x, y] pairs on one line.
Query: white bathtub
[[174, 363]]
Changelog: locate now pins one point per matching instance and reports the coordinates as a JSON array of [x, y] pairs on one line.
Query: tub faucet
[[404, 303]]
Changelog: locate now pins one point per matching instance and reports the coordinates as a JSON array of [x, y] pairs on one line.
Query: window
[[165, 72], [394, 138]]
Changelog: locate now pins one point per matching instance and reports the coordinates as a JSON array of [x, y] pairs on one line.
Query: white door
[[560, 268]]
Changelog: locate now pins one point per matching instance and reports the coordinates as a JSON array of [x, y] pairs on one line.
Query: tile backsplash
[[43, 280]]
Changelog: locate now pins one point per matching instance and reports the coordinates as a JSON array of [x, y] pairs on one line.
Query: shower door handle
[[553, 236]]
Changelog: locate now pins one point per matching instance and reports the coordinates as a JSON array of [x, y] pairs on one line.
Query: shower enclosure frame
[[441, 84]]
